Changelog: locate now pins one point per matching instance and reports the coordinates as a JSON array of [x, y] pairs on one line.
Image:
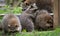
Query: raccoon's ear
[[9, 25]]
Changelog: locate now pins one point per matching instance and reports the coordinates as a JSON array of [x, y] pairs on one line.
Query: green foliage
[[7, 9], [17, 10]]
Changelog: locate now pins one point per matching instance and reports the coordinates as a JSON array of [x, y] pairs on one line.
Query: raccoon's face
[[13, 25], [46, 23]]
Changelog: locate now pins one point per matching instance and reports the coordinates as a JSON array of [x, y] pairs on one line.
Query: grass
[[55, 32], [43, 33]]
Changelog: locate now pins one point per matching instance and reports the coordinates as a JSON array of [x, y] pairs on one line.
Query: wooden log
[[59, 13], [56, 13]]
